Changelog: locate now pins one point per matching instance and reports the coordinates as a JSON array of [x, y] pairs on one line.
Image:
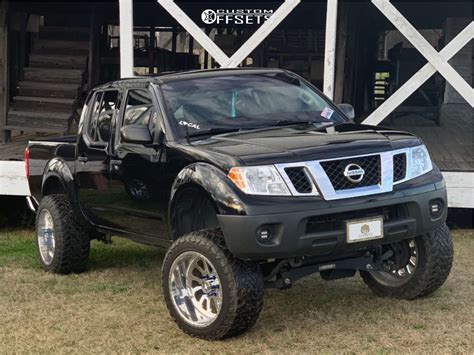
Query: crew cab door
[[137, 171], [92, 156]]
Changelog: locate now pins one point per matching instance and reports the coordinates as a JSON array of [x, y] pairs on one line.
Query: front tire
[[209, 293], [427, 266], [62, 247]]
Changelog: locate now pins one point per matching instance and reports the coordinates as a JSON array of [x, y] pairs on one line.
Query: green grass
[[17, 249], [117, 306]]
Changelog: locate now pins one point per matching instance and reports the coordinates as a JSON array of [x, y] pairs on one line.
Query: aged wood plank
[[4, 83]]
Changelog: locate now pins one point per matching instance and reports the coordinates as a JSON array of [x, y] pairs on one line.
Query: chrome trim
[[281, 169], [32, 203], [322, 183], [409, 173]]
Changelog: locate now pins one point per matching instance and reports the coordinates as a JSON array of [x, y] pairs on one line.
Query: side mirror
[[136, 134], [348, 110]]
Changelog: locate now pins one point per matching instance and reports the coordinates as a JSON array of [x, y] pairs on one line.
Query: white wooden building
[[341, 46]]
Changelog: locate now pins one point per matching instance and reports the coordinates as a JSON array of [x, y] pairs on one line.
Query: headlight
[[259, 180], [419, 162]]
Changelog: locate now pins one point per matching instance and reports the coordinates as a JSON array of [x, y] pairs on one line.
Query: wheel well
[[193, 210], [53, 186]]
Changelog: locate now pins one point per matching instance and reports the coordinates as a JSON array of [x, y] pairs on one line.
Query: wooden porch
[[451, 144]]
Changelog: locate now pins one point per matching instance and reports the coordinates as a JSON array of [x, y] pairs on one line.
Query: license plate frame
[[367, 224]]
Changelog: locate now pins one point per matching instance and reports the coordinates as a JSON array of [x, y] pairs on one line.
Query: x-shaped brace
[[214, 50], [437, 61], [419, 78]]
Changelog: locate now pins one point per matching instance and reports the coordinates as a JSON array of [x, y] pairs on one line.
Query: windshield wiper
[[290, 122], [214, 130], [322, 127]]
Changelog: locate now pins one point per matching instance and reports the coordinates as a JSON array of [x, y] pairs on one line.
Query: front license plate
[[364, 229]]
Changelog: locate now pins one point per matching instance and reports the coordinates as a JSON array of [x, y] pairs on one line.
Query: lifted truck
[[251, 178]]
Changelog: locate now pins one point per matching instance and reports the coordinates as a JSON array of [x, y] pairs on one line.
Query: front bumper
[[321, 230]]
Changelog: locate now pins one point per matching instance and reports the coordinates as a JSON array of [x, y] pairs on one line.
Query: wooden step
[[58, 61], [37, 121], [64, 33], [34, 128], [64, 47], [48, 104], [58, 90], [56, 75]]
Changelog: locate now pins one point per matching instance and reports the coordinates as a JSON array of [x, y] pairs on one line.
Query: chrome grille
[[327, 179], [335, 171], [299, 179], [399, 167]]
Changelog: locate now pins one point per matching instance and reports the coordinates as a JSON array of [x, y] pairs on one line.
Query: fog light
[[436, 208], [264, 234]]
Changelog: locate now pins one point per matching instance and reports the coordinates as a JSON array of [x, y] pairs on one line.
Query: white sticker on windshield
[[189, 124], [327, 113]]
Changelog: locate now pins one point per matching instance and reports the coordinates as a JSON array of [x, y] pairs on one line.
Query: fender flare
[[214, 182], [57, 168]]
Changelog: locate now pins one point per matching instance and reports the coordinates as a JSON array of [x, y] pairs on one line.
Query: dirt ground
[[118, 307]]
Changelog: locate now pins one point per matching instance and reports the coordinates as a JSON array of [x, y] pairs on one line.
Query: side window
[[92, 123], [139, 110], [103, 110]]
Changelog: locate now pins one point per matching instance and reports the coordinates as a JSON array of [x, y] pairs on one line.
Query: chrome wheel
[[45, 235], [195, 289], [401, 267]]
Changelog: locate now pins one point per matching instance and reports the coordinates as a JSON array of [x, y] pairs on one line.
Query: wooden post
[[191, 44], [126, 38], [206, 53], [330, 48], [4, 94], [341, 53], [173, 40], [94, 49], [151, 51]]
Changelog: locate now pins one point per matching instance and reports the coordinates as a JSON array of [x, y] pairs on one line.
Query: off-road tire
[[72, 247], [241, 283], [435, 253]]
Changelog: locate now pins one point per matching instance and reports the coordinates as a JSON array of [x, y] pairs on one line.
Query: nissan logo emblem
[[354, 173]]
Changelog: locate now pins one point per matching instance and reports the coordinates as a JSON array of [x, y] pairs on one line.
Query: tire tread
[[437, 247], [245, 283], [72, 245]]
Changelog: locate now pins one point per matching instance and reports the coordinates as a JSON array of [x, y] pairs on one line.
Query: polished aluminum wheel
[[45, 235], [403, 271], [195, 289]]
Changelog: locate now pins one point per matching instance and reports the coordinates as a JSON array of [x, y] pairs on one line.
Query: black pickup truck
[[251, 178]]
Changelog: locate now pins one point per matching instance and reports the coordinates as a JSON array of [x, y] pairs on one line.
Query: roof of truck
[[187, 75]]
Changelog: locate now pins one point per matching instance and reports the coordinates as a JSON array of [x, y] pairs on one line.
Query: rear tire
[[434, 253], [233, 288], [62, 247]]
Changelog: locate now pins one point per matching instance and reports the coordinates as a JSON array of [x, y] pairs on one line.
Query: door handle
[[115, 162], [82, 158]]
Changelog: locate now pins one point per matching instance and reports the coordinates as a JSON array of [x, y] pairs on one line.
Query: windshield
[[238, 102]]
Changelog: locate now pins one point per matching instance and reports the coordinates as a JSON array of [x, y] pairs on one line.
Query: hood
[[298, 143]]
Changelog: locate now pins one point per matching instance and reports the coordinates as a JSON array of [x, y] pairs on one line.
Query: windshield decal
[[189, 124], [327, 113]]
